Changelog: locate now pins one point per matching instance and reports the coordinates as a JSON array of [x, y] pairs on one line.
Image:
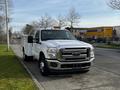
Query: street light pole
[[6, 24]]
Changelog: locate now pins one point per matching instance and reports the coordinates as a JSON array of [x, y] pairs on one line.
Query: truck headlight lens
[[92, 53], [52, 52]]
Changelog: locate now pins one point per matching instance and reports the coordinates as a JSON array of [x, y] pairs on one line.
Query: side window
[[37, 37]]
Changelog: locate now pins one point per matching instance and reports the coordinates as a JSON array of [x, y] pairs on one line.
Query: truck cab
[[57, 50]]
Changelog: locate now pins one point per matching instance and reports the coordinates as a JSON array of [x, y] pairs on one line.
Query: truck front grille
[[75, 54]]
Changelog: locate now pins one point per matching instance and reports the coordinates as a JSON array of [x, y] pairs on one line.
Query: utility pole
[[6, 24]]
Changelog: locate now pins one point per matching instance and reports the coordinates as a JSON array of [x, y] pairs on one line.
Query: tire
[[85, 70], [25, 57], [44, 70]]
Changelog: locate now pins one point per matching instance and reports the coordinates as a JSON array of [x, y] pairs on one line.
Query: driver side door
[[36, 45]]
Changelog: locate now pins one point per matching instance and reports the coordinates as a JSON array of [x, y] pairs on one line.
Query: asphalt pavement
[[104, 74]]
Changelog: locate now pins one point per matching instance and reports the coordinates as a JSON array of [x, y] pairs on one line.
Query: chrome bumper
[[58, 65]]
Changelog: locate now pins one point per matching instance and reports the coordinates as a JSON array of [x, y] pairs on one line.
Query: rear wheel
[[25, 57], [44, 70]]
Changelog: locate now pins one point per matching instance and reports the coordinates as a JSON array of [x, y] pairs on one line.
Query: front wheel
[[43, 66], [85, 70], [25, 57]]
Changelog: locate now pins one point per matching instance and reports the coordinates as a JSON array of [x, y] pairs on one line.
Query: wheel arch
[[41, 54], [23, 49]]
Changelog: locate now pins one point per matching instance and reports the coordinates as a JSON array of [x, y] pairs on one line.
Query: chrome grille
[[75, 54]]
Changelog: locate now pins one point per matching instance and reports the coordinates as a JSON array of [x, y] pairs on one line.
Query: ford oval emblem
[[76, 53]]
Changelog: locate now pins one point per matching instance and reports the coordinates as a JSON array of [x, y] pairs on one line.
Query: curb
[[40, 87]]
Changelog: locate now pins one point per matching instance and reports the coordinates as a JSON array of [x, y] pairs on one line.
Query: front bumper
[[59, 65]]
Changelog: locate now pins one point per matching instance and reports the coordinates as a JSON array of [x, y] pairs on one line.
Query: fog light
[[53, 64]]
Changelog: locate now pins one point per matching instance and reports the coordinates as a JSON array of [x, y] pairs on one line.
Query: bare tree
[[1, 14], [5, 8], [61, 21], [73, 17], [27, 29], [36, 24], [44, 22], [115, 4], [1, 23]]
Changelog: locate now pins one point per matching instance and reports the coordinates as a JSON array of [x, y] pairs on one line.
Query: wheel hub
[[42, 66]]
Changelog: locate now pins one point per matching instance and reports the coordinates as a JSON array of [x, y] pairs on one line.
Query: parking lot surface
[[104, 74]]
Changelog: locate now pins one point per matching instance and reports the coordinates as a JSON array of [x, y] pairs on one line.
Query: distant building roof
[[92, 28]]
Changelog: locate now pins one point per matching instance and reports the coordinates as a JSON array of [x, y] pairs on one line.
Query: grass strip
[[12, 74]]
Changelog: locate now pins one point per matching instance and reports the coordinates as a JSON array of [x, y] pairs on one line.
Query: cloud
[[92, 12]]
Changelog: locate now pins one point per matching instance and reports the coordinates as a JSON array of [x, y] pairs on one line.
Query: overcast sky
[[93, 12]]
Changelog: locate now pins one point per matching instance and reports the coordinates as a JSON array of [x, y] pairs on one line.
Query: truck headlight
[[92, 53], [52, 52]]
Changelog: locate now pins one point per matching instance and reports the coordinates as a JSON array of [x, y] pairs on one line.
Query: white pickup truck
[[57, 50]]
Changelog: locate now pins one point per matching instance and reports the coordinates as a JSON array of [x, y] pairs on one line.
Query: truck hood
[[67, 44]]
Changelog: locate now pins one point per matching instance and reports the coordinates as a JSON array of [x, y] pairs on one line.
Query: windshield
[[56, 35]]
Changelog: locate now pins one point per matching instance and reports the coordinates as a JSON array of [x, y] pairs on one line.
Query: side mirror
[[30, 39]]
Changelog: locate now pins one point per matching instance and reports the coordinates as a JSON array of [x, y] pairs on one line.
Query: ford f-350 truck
[[57, 50]]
